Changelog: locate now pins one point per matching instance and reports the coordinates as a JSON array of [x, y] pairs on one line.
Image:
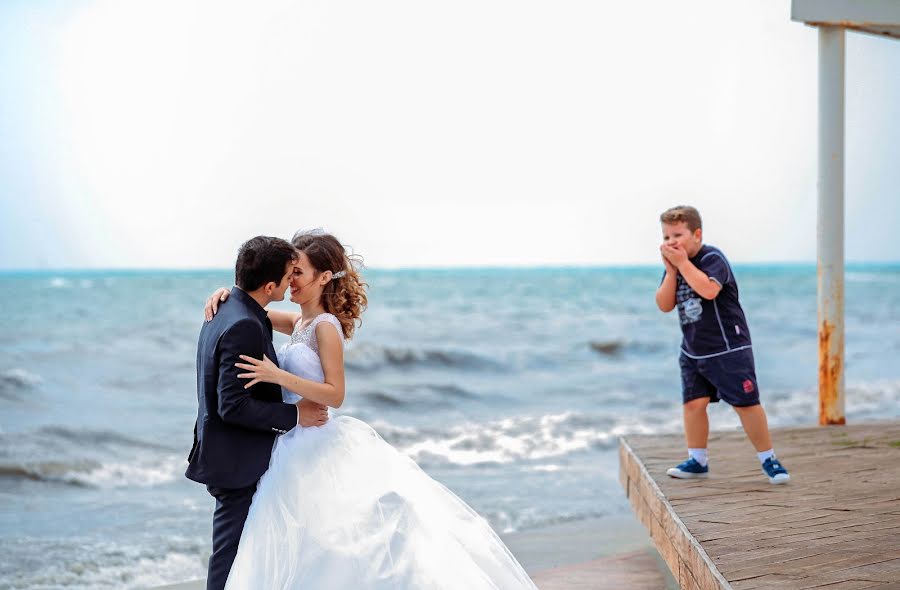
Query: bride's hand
[[212, 304], [260, 370]]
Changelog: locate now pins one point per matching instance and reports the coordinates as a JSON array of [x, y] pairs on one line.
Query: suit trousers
[[232, 506]]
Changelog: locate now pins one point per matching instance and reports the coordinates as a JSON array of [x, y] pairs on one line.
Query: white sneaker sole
[[672, 472], [780, 478]]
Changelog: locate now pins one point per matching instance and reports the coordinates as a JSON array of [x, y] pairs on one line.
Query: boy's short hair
[[683, 213], [262, 260]]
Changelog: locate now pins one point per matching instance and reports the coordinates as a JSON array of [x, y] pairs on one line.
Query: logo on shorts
[[748, 386]]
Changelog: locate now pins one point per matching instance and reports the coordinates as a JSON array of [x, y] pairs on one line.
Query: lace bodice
[[300, 356], [307, 335]]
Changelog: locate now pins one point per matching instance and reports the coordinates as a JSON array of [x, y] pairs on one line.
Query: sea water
[[510, 386]]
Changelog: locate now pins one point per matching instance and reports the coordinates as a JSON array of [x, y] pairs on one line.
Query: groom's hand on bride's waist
[[310, 413]]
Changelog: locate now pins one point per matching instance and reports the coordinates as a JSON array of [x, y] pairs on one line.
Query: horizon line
[[615, 266]]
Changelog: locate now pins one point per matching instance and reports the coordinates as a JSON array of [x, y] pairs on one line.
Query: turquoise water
[[510, 386]]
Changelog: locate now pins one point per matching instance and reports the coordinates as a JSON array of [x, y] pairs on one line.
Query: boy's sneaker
[[776, 471], [690, 469]]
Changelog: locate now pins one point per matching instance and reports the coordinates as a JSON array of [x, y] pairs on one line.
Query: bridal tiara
[[318, 231]]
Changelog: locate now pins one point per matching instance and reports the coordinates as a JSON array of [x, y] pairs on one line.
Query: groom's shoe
[[690, 469]]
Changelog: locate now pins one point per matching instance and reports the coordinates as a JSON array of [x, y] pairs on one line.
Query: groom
[[236, 427]]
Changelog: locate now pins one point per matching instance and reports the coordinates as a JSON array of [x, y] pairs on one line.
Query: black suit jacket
[[236, 427]]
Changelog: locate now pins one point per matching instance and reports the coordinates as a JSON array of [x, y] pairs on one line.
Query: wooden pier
[[835, 526]]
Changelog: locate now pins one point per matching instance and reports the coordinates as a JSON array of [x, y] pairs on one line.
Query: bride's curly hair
[[344, 297]]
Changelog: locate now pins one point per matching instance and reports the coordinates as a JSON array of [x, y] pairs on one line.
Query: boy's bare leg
[[756, 426], [696, 423]]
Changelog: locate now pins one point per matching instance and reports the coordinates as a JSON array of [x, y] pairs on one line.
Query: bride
[[339, 508]]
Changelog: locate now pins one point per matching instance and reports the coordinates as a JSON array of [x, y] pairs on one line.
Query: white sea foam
[[109, 567], [146, 472], [548, 468], [506, 522], [120, 475], [538, 438], [90, 458], [524, 438], [868, 400], [152, 572]]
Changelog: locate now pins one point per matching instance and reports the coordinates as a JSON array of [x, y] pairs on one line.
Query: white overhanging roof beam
[[878, 17]]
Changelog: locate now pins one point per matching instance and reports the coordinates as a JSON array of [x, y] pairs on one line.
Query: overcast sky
[[162, 133]]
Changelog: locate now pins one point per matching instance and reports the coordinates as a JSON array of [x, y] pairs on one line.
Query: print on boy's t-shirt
[[690, 308]]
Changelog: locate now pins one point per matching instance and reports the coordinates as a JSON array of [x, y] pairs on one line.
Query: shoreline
[[571, 543], [564, 547]]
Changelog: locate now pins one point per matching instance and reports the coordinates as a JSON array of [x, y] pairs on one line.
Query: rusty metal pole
[[830, 226]]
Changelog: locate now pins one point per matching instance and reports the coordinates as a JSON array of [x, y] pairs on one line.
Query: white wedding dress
[[340, 509]]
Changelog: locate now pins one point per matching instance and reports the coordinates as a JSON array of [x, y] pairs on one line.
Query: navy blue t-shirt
[[711, 327]]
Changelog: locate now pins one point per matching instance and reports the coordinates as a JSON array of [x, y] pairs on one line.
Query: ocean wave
[[90, 458], [96, 474], [536, 441], [86, 436], [371, 357], [518, 439], [864, 400], [379, 398], [453, 391], [506, 522], [20, 378], [14, 381], [413, 395], [108, 565]]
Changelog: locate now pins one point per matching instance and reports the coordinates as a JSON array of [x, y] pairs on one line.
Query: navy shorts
[[730, 377]]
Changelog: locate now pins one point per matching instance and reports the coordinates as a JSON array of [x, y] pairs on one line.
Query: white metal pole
[[830, 227]]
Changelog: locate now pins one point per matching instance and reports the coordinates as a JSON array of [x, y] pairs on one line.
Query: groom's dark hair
[[261, 260]]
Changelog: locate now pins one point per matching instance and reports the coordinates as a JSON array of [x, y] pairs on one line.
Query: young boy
[[716, 354]]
